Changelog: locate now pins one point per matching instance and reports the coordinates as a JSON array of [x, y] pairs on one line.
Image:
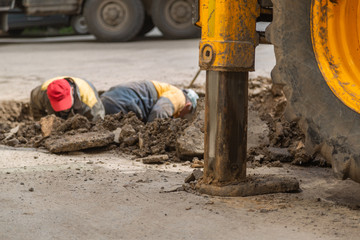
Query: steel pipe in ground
[[226, 114]]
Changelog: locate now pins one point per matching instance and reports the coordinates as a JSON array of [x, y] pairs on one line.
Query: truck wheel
[[319, 71], [114, 20], [174, 18], [78, 23], [147, 27]]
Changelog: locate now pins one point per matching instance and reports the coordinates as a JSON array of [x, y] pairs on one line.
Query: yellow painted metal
[[335, 28], [229, 34]]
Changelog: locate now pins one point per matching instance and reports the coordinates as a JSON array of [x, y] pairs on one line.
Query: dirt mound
[[134, 137], [178, 138], [286, 138], [15, 117], [159, 137], [13, 111]]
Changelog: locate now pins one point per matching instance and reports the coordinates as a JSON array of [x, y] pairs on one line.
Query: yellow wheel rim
[[335, 30]]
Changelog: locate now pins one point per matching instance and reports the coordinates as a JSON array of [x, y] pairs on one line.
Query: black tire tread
[[330, 127], [157, 13], [124, 36]]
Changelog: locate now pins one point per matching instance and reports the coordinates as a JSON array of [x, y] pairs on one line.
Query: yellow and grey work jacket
[[86, 100], [147, 99]]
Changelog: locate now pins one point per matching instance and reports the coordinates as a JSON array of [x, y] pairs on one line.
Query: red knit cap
[[59, 93]]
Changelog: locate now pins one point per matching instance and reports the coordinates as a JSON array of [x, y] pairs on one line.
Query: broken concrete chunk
[[70, 143], [155, 159], [198, 174], [49, 124], [190, 144], [128, 135], [126, 131], [12, 132], [259, 158], [194, 176], [190, 178], [12, 142], [141, 141], [280, 154], [196, 163], [117, 135]]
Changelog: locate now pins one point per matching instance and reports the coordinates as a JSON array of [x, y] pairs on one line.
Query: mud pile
[[129, 134], [179, 139], [16, 125], [139, 139], [286, 138]]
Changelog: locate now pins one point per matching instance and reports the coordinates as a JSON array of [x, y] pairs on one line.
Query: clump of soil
[[16, 123], [12, 112], [159, 137]]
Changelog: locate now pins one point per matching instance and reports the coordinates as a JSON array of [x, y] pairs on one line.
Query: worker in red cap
[[65, 97]]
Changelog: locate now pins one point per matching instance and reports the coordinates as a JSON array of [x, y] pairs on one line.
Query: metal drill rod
[[226, 114], [227, 53]]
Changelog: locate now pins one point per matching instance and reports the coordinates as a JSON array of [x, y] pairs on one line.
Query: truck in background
[[112, 20]]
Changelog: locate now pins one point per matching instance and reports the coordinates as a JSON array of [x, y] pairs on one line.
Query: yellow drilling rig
[[317, 52]]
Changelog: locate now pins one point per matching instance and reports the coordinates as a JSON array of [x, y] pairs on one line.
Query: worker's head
[[191, 102], [60, 94]]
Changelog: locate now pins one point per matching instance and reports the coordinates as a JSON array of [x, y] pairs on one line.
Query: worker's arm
[[173, 94], [87, 101], [37, 108], [162, 109], [95, 113]]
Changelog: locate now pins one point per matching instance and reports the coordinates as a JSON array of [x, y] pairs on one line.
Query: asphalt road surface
[[109, 196], [26, 63]]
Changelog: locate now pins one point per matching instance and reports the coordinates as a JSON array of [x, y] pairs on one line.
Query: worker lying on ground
[[149, 100], [65, 97]]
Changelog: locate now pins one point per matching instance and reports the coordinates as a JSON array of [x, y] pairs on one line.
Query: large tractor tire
[[174, 18], [114, 20], [317, 62]]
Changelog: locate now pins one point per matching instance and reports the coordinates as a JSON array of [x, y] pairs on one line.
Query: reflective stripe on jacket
[[86, 99]]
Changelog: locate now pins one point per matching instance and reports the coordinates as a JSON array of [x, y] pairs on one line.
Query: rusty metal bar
[[226, 111]]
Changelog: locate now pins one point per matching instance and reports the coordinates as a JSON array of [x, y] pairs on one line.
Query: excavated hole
[[286, 144]]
